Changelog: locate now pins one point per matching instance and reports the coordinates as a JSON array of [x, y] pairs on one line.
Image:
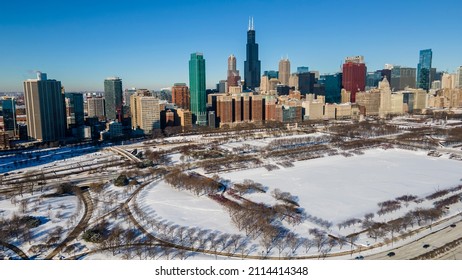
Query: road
[[15, 249], [414, 249], [88, 204], [124, 153]]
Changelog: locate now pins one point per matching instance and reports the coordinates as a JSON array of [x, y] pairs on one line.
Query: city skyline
[[147, 43]]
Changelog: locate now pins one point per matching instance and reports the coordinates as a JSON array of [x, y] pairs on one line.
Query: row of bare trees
[[286, 143], [248, 186], [418, 216], [388, 206], [319, 221], [193, 182], [285, 197], [193, 237], [364, 129], [230, 162]]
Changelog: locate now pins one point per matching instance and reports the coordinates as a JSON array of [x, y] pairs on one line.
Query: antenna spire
[[250, 23]]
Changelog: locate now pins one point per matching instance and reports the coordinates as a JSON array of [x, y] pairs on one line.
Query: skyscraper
[[354, 75], [113, 98], [197, 88], [446, 81], [46, 118], [95, 107], [284, 71], [233, 77], [127, 94], [222, 86], [333, 87], [303, 69], [74, 109], [252, 64], [458, 79], [402, 77], [306, 82], [424, 68], [9, 114], [145, 112], [180, 95]]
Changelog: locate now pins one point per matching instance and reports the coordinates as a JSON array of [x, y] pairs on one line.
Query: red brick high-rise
[[257, 108], [180, 95], [225, 109], [354, 75], [270, 109]]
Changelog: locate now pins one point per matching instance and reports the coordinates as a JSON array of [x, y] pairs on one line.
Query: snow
[[184, 208], [331, 188], [33, 158], [261, 143], [353, 186], [54, 212]]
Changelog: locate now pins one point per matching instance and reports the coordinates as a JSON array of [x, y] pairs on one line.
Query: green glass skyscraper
[[197, 88], [113, 98], [8, 109], [423, 69]]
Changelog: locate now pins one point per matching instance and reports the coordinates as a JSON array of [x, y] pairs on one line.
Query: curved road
[[15, 249], [85, 196]]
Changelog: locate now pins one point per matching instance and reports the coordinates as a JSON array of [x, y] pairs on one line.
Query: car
[[453, 225], [359, 258], [391, 254], [426, 246]]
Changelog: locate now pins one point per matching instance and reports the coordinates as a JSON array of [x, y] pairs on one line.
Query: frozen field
[[331, 188], [183, 208], [337, 188]]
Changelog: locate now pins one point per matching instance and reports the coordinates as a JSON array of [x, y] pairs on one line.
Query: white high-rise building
[[385, 98], [447, 81], [145, 113], [45, 110]]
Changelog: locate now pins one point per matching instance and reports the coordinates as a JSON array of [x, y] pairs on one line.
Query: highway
[[435, 240]]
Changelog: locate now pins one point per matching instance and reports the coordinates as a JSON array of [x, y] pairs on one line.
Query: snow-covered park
[[288, 194], [337, 188], [330, 190]]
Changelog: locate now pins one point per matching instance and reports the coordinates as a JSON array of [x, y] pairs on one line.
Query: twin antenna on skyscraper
[[251, 23]]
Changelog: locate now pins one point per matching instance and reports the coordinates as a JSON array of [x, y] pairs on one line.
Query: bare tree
[[320, 238], [307, 244], [281, 245]]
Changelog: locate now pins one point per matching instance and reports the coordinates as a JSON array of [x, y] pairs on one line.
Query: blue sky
[[148, 43]]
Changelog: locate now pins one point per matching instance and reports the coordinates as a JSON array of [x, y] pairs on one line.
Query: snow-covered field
[[159, 200], [336, 188], [332, 189], [60, 213]]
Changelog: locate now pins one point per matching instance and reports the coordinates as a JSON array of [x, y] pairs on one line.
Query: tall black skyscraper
[[251, 64]]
